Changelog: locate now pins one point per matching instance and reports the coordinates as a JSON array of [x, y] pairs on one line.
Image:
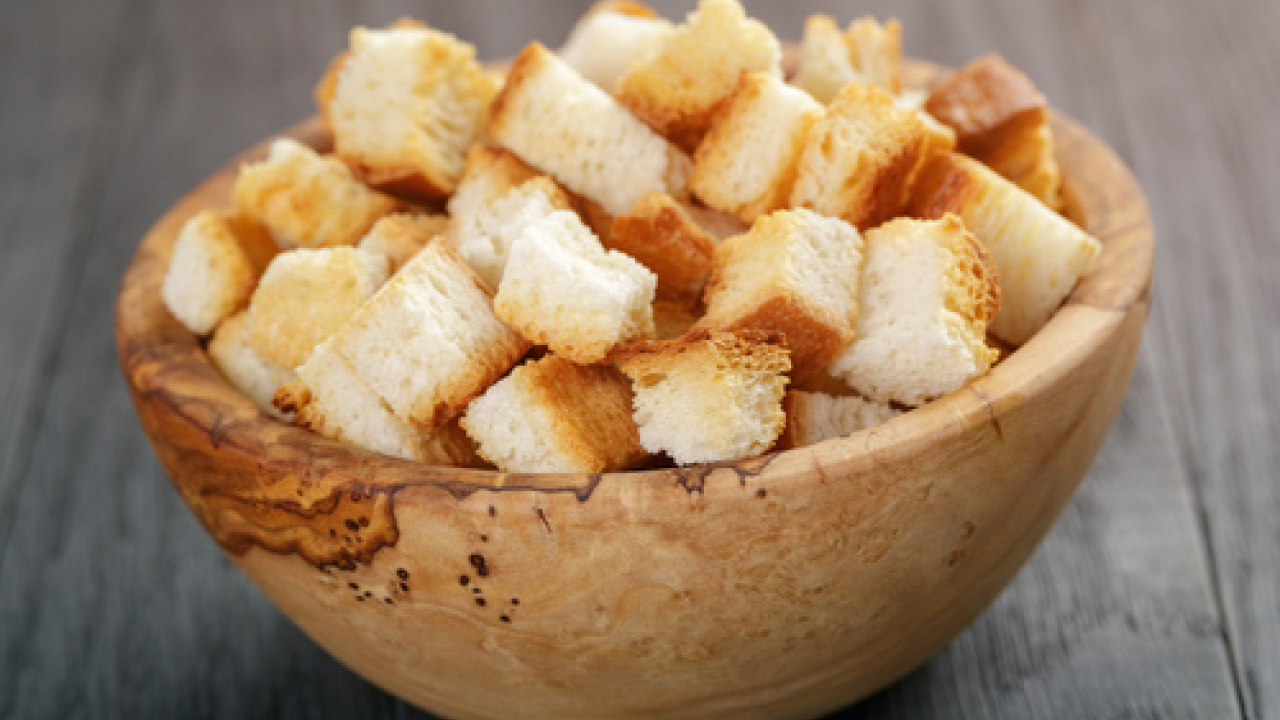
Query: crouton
[[308, 200], [428, 341], [746, 164], [610, 37], [487, 175], [867, 52], [813, 417], [331, 399], [485, 242], [859, 159], [407, 103], [551, 415], [661, 235], [1001, 119], [677, 89], [562, 289], [563, 125], [941, 137], [210, 275], [709, 396], [253, 375], [306, 295], [796, 274], [398, 237], [1039, 253], [928, 291]]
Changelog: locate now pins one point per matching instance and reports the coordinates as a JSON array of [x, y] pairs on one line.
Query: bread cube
[[859, 159], [429, 342], [941, 137], [308, 200], [796, 274], [1040, 254], [813, 417], [487, 175], [677, 89], [709, 396], [1001, 119], [559, 123], [210, 275], [660, 234], [867, 52], [551, 415], [258, 378], [400, 236], [611, 36], [746, 164], [406, 105], [306, 295], [485, 241], [562, 289], [331, 399], [928, 291]]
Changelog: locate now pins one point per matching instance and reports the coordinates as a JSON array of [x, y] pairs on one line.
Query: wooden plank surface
[[114, 603], [58, 67], [1216, 313]]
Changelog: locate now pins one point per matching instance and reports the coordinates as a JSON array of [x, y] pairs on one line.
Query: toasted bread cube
[[677, 89], [1040, 254], [928, 291], [398, 237], [210, 275], [407, 103], [867, 52], [859, 159], [796, 274], [611, 36], [660, 233], [242, 366], [331, 399], [572, 130], [941, 137], [308, 200], [487, 175], [813, 417], [429, 342], [551, 415], [306, 295], [485, 242], [746, 164], [1001, 119], [562, 289], [709, 396]]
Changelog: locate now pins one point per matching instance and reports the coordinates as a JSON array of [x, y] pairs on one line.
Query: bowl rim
[[164, 363]]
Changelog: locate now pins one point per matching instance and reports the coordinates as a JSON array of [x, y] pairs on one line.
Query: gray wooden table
[[1156, 596]]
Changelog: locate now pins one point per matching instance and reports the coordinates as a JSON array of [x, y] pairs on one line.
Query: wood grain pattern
[[115, 604]]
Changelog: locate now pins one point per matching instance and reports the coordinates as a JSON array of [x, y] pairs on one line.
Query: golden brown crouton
[[795, 274], [660, 234], [1002, 119], [677, 89], [551, 415], [859, 159]]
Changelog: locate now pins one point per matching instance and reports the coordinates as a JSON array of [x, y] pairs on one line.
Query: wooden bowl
[[784, 586]]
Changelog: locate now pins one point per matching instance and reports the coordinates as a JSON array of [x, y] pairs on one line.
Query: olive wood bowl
[[783, 586]]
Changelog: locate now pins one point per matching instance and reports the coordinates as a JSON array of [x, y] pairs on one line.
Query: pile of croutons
[[624, 253]]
